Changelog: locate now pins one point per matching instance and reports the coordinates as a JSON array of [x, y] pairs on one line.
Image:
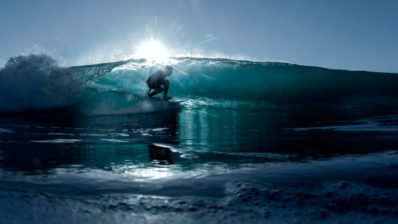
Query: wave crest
[[35, 82]]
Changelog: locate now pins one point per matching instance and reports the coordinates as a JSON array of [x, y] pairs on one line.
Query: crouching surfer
[[158, 83]]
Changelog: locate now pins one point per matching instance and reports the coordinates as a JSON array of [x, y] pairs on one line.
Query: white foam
[[36, 82], [57, 141], [113, 140], [366, 126], [60, 133], [3, 130], [159, 129], [93, 135]]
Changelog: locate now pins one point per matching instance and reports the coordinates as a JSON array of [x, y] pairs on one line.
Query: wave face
[[277, 82], [223, 82], [36, 82]]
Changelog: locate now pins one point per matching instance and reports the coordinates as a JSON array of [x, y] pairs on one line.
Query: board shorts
[[157, 85]]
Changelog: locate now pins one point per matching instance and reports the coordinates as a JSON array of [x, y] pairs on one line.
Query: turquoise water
[[252, 142]]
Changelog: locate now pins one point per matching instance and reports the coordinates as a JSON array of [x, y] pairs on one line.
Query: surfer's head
[[168, 69]]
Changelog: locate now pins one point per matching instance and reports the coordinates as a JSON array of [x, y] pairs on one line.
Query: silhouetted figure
[[158, 83]]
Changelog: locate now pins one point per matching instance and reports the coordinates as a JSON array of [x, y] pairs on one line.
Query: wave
[[225, 83], [36, 82], [270, 81]]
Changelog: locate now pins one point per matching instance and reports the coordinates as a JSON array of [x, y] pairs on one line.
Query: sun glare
[[153, 51]]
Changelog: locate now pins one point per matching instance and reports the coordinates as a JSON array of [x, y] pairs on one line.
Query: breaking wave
[[36, 82]]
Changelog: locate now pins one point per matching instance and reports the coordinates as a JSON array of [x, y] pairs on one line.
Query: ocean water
[[257, 142]]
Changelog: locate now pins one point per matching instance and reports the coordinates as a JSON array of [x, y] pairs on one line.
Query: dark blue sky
[[351, 34]]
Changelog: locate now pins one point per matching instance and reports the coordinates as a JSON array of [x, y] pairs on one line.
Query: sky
[[350, 34]]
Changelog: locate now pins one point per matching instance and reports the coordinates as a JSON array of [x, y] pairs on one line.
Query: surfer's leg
[[166, 89]]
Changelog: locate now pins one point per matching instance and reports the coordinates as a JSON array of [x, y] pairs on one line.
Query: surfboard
[[177, 100], [157, 99], [115, 91], [173, 100]]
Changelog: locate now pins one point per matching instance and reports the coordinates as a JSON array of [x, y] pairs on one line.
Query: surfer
[[158, 83]]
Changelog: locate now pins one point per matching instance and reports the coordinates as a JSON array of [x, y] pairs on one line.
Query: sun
[[153, 51]]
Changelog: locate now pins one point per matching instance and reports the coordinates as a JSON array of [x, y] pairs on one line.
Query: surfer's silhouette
[[158, 83]]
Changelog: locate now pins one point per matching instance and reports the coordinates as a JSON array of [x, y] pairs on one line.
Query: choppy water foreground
[[225, 166]]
